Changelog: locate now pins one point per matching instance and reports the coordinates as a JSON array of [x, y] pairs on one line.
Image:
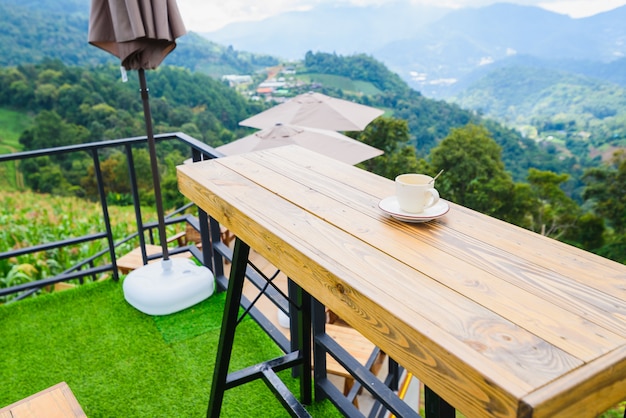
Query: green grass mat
[[121, 362]]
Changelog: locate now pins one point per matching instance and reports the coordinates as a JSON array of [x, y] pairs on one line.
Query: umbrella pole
[[153, 162]]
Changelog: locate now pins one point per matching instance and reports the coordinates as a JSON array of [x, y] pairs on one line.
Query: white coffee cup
[[416, 192]]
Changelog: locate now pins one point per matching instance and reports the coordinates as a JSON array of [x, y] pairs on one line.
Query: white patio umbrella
[[141, 33], [316, 110], [329, 143]]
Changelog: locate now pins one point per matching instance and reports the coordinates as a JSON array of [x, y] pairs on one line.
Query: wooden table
[[497, 320]]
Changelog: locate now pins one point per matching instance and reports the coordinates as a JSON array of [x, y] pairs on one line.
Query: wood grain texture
[[465, 302], [442, 255], [586, 392]]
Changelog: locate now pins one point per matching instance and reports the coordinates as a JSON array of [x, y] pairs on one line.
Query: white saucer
[[390, 205]]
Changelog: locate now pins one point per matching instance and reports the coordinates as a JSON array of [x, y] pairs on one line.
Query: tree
[[172, 198], [554, 213], [606, 191], [391, 136], [44, 176], [474, 174], [50, 130], [21, 93]]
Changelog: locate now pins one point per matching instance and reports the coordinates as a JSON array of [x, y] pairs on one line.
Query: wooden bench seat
[[133, 260], [358, 346], [57, 401]]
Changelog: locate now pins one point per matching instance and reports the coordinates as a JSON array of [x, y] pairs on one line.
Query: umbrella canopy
[[140, 33], [316, 110], [330, 143]]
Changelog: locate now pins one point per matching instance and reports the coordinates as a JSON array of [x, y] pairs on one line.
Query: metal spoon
[[435, 178]]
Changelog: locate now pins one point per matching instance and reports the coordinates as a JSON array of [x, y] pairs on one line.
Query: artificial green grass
[[121, 362]]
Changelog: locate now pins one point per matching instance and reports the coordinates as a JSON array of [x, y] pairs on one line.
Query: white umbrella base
[[168, 286]]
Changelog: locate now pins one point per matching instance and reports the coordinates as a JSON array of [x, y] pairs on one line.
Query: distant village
[[278, 84]]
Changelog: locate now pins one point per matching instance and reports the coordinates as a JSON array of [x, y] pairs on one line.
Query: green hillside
[[579, 115], [33, 30], [342, 83], [12, 124]]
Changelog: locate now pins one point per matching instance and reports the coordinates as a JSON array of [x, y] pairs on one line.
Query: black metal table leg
[[319, 362], [435, 406], [299, 357], [394, 374], [229, 323], [304, 346]]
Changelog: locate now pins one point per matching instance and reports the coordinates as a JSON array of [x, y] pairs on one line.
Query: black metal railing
[[105, 261], [212, 252]]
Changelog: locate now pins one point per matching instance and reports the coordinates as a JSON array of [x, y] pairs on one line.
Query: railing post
[[132, 175], [105, 212]]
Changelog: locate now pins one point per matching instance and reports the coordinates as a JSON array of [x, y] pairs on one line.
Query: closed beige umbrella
[[316, 110], [329, 143], [141, 33]]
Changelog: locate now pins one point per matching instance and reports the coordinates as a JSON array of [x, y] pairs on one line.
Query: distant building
[[236, 80], [264, 91], [272, 84]]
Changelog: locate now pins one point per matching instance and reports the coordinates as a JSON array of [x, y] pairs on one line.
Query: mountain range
[[437, 50], [558, 80]]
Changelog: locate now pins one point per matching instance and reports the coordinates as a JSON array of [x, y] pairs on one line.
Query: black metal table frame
[[309, 319]]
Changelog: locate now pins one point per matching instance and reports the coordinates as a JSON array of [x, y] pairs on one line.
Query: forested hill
[[31, 30], [431, 120], [576, 116], [92, 104]]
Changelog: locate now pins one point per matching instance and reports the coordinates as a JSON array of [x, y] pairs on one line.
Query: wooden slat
[[587, 392], [590, 297], [353, 342], [133, 260]]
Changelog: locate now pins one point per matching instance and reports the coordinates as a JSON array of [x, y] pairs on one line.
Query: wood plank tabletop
[[497, 320]]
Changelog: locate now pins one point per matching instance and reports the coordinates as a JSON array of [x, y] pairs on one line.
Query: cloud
[[581, 8], [206, 16]]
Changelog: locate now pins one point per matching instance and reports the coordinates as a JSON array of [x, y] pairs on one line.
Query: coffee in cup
[[416, 192]]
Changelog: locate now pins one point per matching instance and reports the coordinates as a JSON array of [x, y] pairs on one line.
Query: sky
[[210, 15]]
